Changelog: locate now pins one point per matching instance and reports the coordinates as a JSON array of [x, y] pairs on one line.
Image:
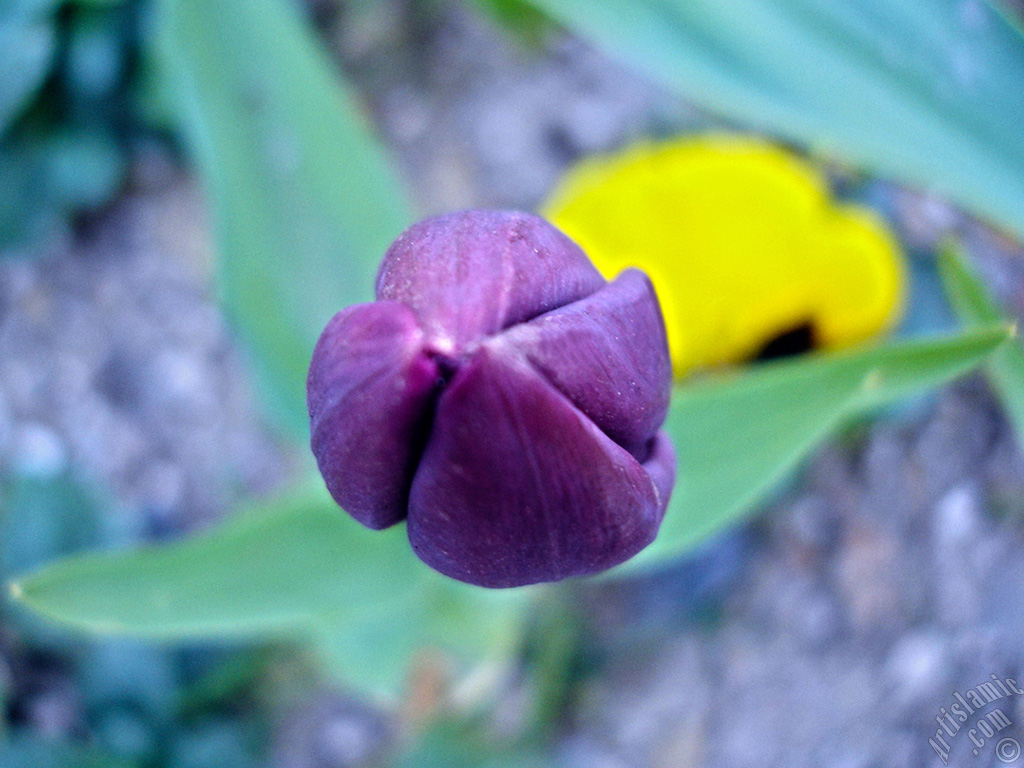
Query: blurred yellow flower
[[742, 242]]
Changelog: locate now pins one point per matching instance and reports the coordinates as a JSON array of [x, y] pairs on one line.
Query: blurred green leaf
[[975, 306], [83, 169], [215, 742], [44, 178], [451, 744], [96, 53], [27, 41], [296, 566], [28, 208], [555, 658], [928, 91], [44, 517], [736, 436], [305, 203], [46, 753], [520, 18]]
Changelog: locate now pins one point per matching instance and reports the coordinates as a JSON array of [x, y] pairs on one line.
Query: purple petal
[[516, 486], [369, 392], [608, 353], [661, 466], [469, 275]]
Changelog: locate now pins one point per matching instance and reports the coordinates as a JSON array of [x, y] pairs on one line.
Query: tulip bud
[[501, 397]]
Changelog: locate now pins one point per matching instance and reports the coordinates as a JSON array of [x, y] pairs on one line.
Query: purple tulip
[[501, 397]]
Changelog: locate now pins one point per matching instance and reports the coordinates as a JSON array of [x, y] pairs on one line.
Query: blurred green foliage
[[452, 744], [27, 43], [79, 94], [295, 567], [976, 307], [737, 436], [137, 702], [924, 91], [44, 517], [519, 17], [298, 566], [304, 199], [37, 752]]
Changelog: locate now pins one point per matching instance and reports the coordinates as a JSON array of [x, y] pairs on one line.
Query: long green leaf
[[737, 436], [928, 91], [295, 567], [301, 566], [304, 200], [976, 307]]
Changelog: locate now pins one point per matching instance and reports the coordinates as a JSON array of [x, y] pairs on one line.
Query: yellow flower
[[742, 242]]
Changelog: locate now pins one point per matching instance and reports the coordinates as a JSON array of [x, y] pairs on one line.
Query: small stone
[[918, 669]]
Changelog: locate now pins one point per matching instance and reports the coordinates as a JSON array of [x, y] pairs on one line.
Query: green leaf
[[456, 744], [520, 18], [928, 91], [298, 566], [27, 42], [739, 435], [294, 567], [305, 203], [43, 517], [975, 306], [83, 169], [22, 752]]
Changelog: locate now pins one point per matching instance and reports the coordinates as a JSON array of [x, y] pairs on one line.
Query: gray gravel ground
[[891, 575], [114, 356]]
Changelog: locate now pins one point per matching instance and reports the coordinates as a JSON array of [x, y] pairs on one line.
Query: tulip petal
[[661, 466], [517, 486], [370, 391], [609, 355], [469, 275]]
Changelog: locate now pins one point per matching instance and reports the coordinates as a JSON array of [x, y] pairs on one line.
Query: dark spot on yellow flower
[[795, 341]]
